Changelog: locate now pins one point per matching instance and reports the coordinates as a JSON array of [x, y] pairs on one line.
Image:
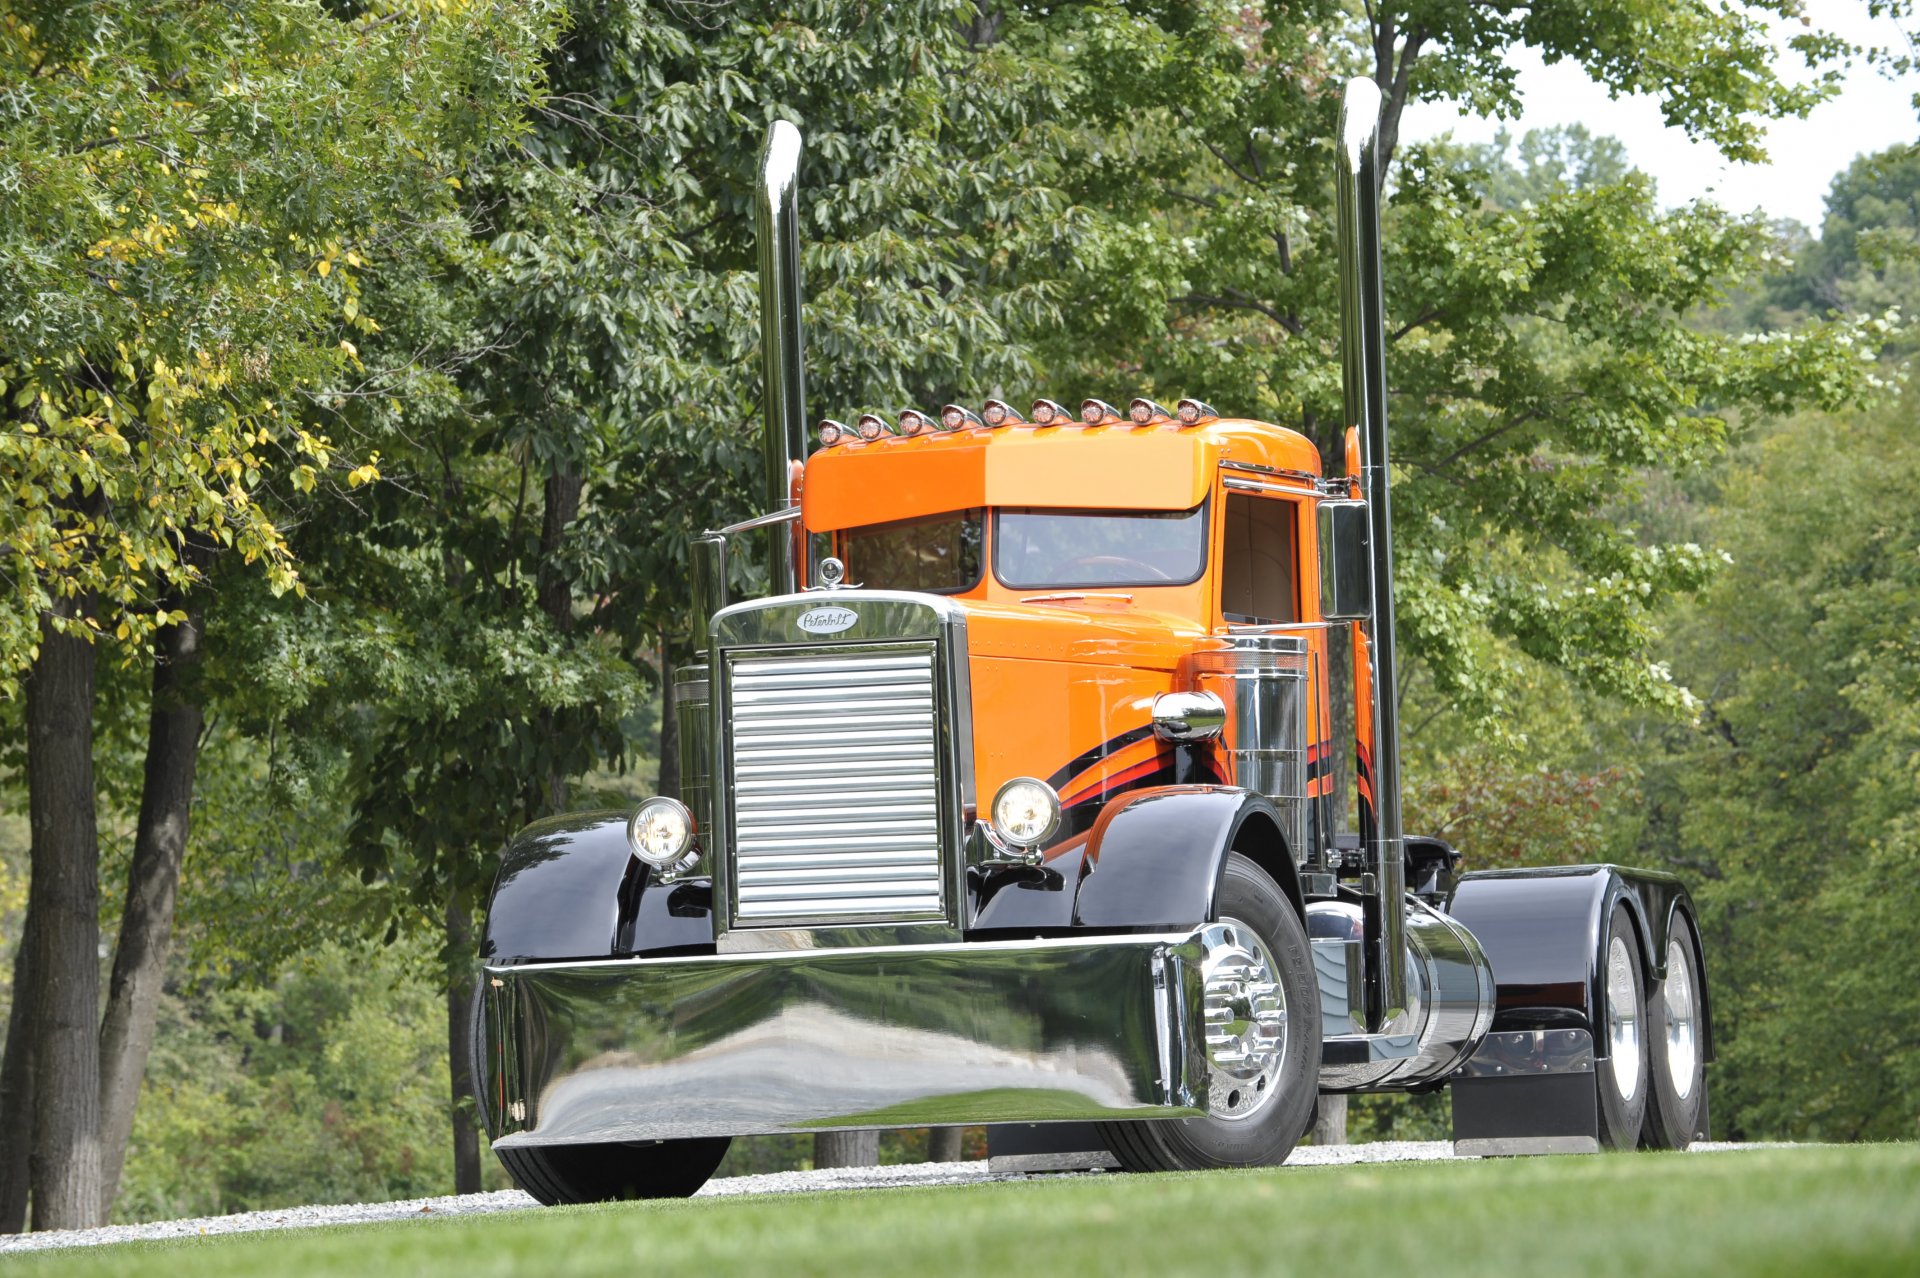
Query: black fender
[[1541, 927], [1154, 858], [1152, 862], [569, 887]]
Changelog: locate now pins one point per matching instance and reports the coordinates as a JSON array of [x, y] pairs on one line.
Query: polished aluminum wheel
[[1246, 1019], [1623, 1018], [1683, 1043]]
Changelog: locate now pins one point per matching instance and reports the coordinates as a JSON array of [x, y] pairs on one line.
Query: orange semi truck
[[1013, 804]]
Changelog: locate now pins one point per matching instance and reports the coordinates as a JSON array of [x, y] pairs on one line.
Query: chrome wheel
[[1683, 1046], [1623, 1018], [1246, 1019]]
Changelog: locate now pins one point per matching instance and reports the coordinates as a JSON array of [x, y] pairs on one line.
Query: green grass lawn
[[1822, 1211]]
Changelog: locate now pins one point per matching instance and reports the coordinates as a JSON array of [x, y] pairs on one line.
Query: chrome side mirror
[[1346, 561], [1186, 717]]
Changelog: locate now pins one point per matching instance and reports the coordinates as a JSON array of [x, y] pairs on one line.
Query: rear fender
[[1541, 929]]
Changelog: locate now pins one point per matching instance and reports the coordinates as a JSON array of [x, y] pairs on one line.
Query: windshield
[[1039, 549], [939, 555]]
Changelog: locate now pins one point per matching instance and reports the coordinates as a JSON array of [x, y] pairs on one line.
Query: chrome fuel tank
[[1450, 999]]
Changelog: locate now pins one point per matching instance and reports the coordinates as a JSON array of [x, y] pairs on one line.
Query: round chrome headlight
[[660, 832], [1026, 812]]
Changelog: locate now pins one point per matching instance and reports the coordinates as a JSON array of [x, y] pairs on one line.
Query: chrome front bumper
[[895, 1036]]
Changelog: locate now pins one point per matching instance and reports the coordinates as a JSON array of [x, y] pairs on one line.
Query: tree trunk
[[16, 1094], [943, 1145], [1330, 1125], [464, 1108], [846, 1149], [63, 905], [153, 885]]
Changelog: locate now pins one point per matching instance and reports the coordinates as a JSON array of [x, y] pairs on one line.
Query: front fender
[[1152, 861], [570, 888]]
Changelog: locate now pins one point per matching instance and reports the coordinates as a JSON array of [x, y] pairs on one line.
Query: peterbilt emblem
[[827, 621]]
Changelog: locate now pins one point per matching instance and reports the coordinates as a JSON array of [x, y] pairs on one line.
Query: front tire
[[1676, 1012], [557, 1174], [1263, 1042], [1623, 1076]]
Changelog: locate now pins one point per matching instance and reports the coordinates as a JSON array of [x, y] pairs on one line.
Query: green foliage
[[1795, 806], [1504, 814], [326, 1084], [1545, 163], [1867, 259], [191, 197]]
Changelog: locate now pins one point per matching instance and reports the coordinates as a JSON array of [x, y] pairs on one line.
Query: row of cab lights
[[1093, 412]]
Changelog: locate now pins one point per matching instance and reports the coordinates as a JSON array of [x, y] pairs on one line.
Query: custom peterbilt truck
[[1013, 804]]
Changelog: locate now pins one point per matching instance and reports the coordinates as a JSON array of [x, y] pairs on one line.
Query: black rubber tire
[[558, 1174], [1249, 894], [1621, 1115], [1673, 1120]]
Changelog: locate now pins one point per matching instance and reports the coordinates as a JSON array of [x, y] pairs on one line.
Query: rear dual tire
[[1623, 1073], [1676, 1020], [1653, 1081]]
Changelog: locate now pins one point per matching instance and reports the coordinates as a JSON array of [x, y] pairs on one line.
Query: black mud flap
[[1047, 1147], [1528, 1092]]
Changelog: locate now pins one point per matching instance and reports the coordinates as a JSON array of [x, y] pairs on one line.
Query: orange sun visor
[[1118, 467]]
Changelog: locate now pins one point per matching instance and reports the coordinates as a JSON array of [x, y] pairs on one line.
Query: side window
[[1257, 570]]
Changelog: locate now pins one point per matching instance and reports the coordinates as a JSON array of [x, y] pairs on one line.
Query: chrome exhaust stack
[[783, 380], [1363, 367]]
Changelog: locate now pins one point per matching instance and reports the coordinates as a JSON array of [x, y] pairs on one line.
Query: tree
[[194, 191], [1792, 802], [1793, 805], [1867, 258]]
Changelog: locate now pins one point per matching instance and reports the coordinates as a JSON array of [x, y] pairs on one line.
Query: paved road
[[778, 1183]]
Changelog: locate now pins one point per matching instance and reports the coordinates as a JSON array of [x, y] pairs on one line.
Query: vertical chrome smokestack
[[784, 444], [1363, 360]]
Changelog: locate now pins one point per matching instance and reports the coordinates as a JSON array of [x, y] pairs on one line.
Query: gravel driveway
[[1393, 1151]]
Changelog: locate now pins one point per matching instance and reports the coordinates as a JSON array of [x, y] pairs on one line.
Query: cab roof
[[1113, 467]]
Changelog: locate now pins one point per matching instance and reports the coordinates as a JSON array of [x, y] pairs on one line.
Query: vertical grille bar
[[835, 785]]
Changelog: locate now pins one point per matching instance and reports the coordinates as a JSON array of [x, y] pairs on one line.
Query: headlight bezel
[[1035, 835], [685, 850]]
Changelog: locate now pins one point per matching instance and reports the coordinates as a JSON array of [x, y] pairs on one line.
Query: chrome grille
[[835, 785]]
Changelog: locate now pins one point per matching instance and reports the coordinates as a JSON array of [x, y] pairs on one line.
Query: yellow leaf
[[324, 267]]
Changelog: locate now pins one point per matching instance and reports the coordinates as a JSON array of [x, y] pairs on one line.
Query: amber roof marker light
[[1193, 412], [871, 426], [1098, 412], [832, 432], [999, 412], [1048, 413], [1144, 412], [958, 417], [914, 422]]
